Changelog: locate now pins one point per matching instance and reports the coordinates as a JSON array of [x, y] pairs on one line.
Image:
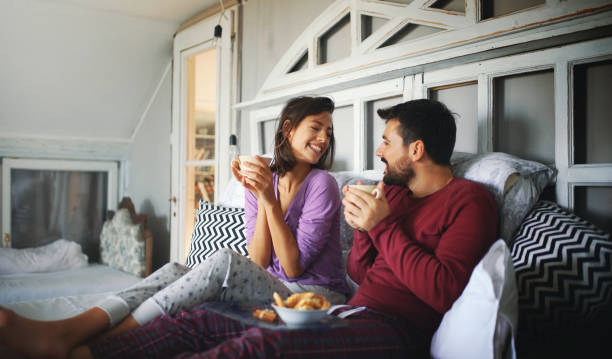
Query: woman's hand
[[257, 178], [236, 169]]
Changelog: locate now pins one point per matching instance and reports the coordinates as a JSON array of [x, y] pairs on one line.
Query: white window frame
[[8, 164], [561, 60]]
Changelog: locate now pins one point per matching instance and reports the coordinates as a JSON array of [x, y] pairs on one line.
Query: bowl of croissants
[[301, 308]]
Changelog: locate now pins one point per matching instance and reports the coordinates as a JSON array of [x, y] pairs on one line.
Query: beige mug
[[371, 189]]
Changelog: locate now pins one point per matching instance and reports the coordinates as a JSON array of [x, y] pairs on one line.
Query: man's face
[[394, 154]]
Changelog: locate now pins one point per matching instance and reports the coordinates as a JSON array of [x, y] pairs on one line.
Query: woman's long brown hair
[[293, 113]]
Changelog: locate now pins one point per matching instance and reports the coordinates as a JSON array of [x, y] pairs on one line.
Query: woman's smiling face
[[310, 139]]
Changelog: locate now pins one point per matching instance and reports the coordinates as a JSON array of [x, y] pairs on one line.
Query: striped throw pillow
[[216, 227], [563, 268]]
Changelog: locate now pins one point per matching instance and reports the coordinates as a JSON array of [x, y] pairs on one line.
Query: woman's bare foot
[[32, 338]]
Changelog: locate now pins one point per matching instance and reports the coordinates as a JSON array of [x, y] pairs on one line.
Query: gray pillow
[[515, 184]]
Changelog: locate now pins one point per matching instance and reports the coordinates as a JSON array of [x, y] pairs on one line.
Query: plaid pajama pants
[[202, 333]]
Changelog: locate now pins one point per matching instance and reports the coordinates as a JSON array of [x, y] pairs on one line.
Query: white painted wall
[[71, 71], [149, 174], [270, 28]]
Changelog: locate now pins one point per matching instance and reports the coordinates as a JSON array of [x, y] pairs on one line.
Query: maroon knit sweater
[[417, 261]]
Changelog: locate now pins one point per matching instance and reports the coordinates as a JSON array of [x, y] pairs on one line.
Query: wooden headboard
[[140, 219]]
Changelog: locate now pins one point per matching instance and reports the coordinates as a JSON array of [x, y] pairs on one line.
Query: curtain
[[47, 205]]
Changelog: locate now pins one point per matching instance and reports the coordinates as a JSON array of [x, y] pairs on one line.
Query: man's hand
[[362, 210]]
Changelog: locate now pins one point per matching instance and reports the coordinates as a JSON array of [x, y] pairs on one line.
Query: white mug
[[247, 158], [371, 189]]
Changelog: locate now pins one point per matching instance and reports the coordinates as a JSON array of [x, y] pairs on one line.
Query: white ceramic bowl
[[294, 317]]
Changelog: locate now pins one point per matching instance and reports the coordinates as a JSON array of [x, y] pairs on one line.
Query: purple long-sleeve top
[[314, 220]]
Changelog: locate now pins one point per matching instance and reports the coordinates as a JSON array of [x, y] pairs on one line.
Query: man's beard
[[399, 177]]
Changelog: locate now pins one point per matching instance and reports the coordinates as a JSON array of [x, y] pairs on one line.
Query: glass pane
[[47, 205], [200, 186], [450, 5], [462, 101], [375, 127], [595, 205], [592, 121], [344, 133], [370, 24], [267, 129], [410, 32], [493, 8], [524, 116], [201, 105], [301, 64], [335, 44]]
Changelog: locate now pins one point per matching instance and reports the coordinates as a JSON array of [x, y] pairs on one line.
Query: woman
[[292, 216]]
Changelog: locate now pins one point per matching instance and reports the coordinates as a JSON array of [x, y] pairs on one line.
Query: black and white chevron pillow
[[216, 227], [563, 268]]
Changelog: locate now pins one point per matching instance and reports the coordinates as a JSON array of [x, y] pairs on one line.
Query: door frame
[[197, 38]]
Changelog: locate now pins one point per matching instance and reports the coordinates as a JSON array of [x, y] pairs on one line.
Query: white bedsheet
[[95, 278], [56, 308]]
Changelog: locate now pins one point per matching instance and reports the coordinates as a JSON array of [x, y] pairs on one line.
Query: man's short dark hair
[[429, 121]]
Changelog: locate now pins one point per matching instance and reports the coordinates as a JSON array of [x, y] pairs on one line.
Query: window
[[375, 127], [335, 44], [344, 132], [524, 116], [462, 100], [592, 124], [44, 200]]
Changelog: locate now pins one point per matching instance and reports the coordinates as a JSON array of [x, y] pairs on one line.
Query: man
[[413, 252], [415, 247]]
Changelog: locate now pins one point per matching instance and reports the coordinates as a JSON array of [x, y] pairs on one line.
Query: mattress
[[93, 279]]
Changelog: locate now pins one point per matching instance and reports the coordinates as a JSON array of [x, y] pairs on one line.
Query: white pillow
[[233, 195], [483, 320], [56, 256]]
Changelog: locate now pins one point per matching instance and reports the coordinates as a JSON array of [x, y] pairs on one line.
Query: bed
[[62, 287], [548, 271], [524, 286]]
